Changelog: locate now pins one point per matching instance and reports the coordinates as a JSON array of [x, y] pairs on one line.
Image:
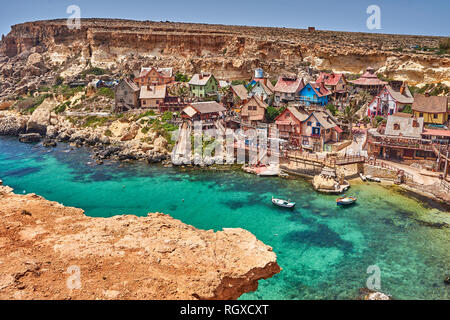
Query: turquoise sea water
[[324, 250]]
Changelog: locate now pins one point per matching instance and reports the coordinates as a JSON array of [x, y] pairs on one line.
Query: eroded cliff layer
[[43, 245], [229, 51]]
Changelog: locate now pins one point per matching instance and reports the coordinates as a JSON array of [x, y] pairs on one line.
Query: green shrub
[[272, 113], [106, 92], [407, 109], [94, 121], [179, 77], [30, 104], [95, 71], [108, 133], [379, 119], [332, 108], [146, 114], [62, 107], [167, 116]]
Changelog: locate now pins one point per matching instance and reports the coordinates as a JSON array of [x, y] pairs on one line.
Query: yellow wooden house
[[433, 110]]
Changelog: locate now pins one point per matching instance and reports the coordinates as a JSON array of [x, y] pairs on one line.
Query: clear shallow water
[[324, 250]]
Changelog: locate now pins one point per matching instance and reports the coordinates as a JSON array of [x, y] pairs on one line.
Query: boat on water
[[373, 179], [345, 201], [283, 203]]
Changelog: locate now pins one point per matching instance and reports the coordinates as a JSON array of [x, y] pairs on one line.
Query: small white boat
[[345, 201], [363, 178], [373, 179], [283, 203]]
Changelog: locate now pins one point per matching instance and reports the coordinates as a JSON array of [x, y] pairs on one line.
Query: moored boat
[[283, 203], [345, 201]]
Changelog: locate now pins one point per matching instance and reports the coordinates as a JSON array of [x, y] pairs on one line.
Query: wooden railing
[[324, 161], [445, 185], [383, 165]]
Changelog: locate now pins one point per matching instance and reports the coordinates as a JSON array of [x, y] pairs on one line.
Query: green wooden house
[[203, 85]]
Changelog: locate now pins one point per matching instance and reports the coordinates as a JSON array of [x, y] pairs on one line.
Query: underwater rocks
[[44, 244], [30, 138], [48, 143]]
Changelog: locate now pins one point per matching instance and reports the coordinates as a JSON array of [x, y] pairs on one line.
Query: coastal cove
[[324, 250]]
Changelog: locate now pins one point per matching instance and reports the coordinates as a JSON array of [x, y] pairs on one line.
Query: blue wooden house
[[314, 93]]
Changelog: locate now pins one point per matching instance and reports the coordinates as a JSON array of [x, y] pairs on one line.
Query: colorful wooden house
[[154, 77], [260, 89], [289, 125], [390, 100], [369, 82], [286, 90], [434, 110], [253, 111], [314, 94], [152, 97], [318, 129], [208, 111], [400, 139], [240, 95], [336, 83], [126, 95], [203, 85]]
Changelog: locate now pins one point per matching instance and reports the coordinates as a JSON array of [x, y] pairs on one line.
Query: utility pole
[[446, 166]]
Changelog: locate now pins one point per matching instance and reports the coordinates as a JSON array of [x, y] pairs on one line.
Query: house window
[[309, 123], [318, 124], [288, 115], [396, 126], [415, 124], [144, 102], [435, 116], [421, 115]]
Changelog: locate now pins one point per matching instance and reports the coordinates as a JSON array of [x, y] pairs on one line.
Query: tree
[[363, 97], [348, 115], [407, 109], [225, 94], [272, 113], [332, 108], [179, 77]]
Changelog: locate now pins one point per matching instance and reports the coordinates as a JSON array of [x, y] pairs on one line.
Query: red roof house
[[287, 89]]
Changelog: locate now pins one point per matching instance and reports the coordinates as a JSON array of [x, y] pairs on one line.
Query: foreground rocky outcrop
[[43, 244], [367, 294]]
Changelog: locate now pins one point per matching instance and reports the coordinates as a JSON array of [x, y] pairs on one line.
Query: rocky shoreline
[[123, 257], [50, 129]]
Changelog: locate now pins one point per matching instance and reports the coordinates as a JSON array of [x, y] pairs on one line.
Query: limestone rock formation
[[31, 52], [41, 117], [12, 125], [43, 246]]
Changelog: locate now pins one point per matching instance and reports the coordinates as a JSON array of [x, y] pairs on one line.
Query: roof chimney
[[402, 88]]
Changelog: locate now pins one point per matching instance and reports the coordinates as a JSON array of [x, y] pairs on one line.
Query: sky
[[430, 17]]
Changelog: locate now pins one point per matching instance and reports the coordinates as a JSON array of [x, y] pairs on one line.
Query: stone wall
[[379, 172]]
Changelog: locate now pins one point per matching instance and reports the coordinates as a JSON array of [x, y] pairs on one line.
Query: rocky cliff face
[[43, 245], [229, 51]]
